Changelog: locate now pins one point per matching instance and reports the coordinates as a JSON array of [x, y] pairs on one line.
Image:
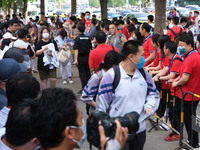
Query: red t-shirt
[[176, 29], [157, 59], [193, 18], [147, 46], [87, 25], [97, 55], [164, 62], [191, 66], [175, 67], [125, 32]]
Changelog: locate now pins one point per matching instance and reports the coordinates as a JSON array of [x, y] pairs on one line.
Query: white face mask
[[83, 139], [45, 35]]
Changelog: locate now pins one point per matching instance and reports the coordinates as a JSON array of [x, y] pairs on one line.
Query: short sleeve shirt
[[38, 46], [164, 63], [175, 67], [191, 66], [148, 48], [157, 59], [176, 29], [116, 41]]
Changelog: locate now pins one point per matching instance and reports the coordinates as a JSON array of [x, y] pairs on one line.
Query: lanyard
[[147, 38]]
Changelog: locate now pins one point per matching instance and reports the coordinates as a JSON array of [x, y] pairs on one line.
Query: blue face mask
[[33, 23], [181, 50], [142, 62], [133, 38], [87, 17], [80, 143], [199, 24]]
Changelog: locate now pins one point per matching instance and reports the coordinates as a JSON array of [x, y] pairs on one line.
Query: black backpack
[[176, 35], [116, 81], [178, 58]]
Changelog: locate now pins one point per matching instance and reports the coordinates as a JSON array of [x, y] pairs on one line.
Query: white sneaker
[[70, 81], [64, 82]]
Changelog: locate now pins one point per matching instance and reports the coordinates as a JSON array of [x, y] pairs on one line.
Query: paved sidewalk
[[155, 139]]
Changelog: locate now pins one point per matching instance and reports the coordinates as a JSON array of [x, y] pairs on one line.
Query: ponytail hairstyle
[[110, 59]]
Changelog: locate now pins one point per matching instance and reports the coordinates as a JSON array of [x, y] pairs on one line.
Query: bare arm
[[76, 56], [151, 57], [183, 80]]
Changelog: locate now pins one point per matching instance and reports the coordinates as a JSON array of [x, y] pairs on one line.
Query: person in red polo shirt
[[172, 72], [97, 55], [189, 81], [149, 50], [175, 30], [87, 21]]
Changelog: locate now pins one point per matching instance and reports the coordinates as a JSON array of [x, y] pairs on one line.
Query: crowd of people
[[123, 67]]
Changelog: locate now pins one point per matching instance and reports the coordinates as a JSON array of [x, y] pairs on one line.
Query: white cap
[[8, 35]]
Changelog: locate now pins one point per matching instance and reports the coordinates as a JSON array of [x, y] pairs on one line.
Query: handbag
[[64, 56]]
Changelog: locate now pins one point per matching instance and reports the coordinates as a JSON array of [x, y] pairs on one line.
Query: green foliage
[[94, 3], [116, 3]]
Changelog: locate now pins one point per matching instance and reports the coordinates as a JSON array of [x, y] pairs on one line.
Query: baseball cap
[[14, 53], [8, 35], [10, 67]]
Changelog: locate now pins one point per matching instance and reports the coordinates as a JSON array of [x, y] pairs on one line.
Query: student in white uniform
[[136, 91]]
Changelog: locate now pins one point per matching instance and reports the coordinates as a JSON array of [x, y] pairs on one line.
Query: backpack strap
[[117, 76], [177, 58], [144, 76], [180, 31], [112, 47], [173, 32]]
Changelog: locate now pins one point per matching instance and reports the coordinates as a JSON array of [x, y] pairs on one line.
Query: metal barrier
[[181, 141]]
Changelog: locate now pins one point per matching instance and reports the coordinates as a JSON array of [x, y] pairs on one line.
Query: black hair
[[151, 18], [63, 33], [22, 33], [94, 21], [121, 22], [146, 26], [37, 18], [197, 12], [21, 86], [87, 12], [4, 43], [73, 18], [183, 19], [185, 37], [19, 129], [134, 20], [57, 110], [100, 37], [131, 28], [189, 23], [172, 46], [111, 58], [130, 47], [138, 35], [94, 16], [20, 14], [83, 14], [128, 22], [155, 38], [169, 18], [162, 40], [13, 21], [81, 27], [175, 20]]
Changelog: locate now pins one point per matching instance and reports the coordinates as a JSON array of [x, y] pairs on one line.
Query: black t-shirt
[[38, 46], [83, 44]]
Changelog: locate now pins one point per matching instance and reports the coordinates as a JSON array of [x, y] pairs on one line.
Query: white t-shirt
[[2, 145], [4, 116], [2, 52]]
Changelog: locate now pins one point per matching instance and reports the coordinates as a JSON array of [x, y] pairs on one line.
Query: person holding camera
[[133, 91], [58, 123]]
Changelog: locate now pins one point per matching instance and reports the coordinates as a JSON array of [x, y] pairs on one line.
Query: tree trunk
[[59, 4], [104, 9], [42, 6], [15, 7], [9, 7], [160, 9], [5, 10], [73, 7], [25, 13]]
